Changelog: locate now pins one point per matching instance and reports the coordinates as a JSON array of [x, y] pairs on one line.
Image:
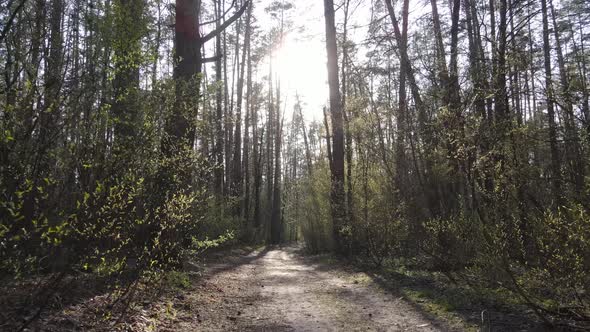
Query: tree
[[189, 62], [129, 30], [337, 195], [555, 158]]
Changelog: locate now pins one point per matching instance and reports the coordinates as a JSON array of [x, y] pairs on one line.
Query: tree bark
[[572, 145], [555, 158], [275, 220], [189, 61], [237, 178], [337, 191]]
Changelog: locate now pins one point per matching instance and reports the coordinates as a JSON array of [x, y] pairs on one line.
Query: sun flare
[[301, 68]]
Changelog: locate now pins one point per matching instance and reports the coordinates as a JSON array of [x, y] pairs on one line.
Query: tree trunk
[[129, 31], [188, 58], [275, 220], [345, 113], [402, 106], [219, 114], [572, 145], [188, 64], [501, 98], [337, 191], [248, 120], [269, 151], [555, 159], [237, 160]]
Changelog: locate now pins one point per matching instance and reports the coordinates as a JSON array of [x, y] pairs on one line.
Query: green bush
[[452, 243], [561, 275], [121, 225]]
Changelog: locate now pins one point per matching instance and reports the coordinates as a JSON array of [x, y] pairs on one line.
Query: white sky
[[301, 61]]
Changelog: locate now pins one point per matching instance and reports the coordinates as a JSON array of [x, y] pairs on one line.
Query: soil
[[281, 290]]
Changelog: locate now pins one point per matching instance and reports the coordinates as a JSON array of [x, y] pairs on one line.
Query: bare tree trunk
[[188, 63], [228, 112], [501, 98], [402, 106], [582, 69], [219, 114], [337, 192], [572, 145], [237, 179], [51, 112], [188, 58], [345, 113], [442, 71], [248, 120], [555, 159], [328, 141], [257, 171], [269, 150], [158, 41], [305, 141], [475, 67], [275, 220]]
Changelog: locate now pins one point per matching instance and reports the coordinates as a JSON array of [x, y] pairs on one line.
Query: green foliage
[[560, 278], [219, 223], [316, 226], [452, 243], [386, 228], [177, 279], [25, 238], [118, 226], [116, 211]]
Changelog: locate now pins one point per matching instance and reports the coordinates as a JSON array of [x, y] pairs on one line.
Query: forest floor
[[277, 289]]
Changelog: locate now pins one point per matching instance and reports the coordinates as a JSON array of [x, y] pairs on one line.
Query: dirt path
[[281, 290]]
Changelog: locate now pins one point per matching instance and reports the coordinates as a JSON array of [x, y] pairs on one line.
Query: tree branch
[[211, 59], [219, 18], [225, 24], [11, 20]]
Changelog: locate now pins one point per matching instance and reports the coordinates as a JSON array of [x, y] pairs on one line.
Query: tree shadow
[[461, 301], [81, 301], [221, 261], [433, 299], [45, 301], [327, 263]]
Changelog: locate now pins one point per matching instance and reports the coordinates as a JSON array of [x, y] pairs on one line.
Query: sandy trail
[[281, 290]]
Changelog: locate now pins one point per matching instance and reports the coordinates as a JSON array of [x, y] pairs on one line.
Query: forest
[[451, 137]]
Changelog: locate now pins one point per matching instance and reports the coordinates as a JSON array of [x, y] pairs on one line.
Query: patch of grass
[[360, 278], [430, 300], [178, 280], [170, 311], [458, 303], [327, 259], [438, 306]]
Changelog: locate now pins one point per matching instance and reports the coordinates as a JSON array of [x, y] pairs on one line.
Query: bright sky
[[300, 62], [301, 66]]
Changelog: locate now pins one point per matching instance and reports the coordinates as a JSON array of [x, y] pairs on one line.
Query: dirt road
[[281, 290]]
